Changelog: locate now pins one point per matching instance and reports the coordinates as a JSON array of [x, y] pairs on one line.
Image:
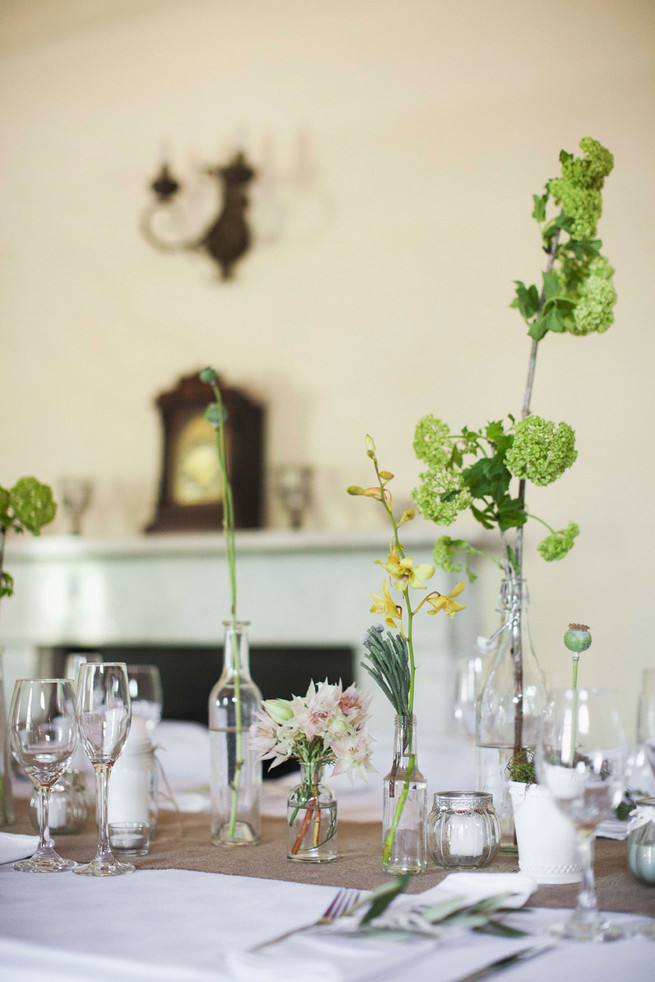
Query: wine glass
[[293, 485], [43, 736], [76, 496], [104, 716], [146, 693], [581, 757]]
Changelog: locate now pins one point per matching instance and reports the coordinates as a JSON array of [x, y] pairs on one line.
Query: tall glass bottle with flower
[[235, 774], [486, 471], [26, 507], [390, 662], [326, 726]]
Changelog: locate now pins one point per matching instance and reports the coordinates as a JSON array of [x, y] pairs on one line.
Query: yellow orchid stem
[[230, 550], [411, 760]]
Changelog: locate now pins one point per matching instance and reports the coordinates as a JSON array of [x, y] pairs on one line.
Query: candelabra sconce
[[226, 239]]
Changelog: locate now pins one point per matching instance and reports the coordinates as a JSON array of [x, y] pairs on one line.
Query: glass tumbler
[[463, 829]]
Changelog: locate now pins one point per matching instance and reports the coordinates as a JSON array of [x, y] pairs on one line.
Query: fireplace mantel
[[295, 587]]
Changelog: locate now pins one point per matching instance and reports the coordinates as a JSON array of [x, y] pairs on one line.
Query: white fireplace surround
[[295, 587]]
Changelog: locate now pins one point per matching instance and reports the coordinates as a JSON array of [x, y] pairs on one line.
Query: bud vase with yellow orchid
[[390, 662], [235, 775]]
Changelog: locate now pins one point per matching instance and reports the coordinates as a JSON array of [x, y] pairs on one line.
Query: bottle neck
[[405, 739], [236, 653]]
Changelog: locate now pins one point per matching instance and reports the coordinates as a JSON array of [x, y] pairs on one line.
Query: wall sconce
[[225, 239]]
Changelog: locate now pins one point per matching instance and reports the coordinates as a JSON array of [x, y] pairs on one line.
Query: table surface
[[192, 906], [182, 841]]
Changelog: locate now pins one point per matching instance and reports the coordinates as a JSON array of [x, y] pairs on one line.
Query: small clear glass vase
[[312, 818], [404, 805], [236, 770], [510, 705]]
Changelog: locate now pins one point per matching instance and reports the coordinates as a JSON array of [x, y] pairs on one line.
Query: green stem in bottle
[[230, 550]]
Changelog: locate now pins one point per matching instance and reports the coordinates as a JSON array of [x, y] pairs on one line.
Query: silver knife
[[502, 963]]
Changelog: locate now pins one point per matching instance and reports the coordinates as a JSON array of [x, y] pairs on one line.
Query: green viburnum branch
[[474, 470], [216, 414], [27, 507]]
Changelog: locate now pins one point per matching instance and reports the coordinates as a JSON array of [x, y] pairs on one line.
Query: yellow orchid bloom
[[404, 573], [385, 605], [445, 602]]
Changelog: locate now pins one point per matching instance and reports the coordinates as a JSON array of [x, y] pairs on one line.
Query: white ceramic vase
[[547, 840]]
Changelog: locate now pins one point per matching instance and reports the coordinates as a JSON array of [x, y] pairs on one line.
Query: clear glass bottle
[[463, 829], [404, 805], [312, 818], [7, 813], [236, 770], [511, 702]]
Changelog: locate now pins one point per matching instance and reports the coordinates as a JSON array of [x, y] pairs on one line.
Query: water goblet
[[146, 694], [43, 737], [581, 757], [104, 716]]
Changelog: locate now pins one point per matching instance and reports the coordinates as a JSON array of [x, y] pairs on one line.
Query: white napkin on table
[[14, 846], [473, 886]]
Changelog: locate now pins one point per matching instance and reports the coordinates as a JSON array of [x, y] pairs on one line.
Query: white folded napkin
[[474, 885], [612, 828], [14, 846]]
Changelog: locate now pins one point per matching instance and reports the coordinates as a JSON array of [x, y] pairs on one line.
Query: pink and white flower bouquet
[[326, 726]]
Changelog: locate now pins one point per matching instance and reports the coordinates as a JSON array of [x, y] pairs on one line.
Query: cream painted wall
[[399, 145]]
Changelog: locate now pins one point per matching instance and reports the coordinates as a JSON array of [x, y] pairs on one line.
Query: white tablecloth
[[180, 925]]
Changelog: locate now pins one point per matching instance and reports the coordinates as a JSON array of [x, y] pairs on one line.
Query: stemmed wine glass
[[43, 737], [104, 715], [581, 757], [146, 694]]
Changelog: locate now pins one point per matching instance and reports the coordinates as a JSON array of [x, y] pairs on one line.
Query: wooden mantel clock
[[190, 488]]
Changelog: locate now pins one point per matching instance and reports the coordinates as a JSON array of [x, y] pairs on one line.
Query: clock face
[[196, 474]]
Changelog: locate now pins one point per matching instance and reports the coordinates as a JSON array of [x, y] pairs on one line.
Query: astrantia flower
[[404, 573], [542, 450], [557, 545], [353, 755], [436, 482], [431, 441], [354, 704], [446, 602]]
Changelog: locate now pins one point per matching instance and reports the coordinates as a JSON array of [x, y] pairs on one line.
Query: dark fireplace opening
[[188, 672]]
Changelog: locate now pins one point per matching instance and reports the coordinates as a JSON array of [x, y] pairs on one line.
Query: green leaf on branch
[[511, 513], [488, 477], [381, 897], [539, 210], [486, 518], [6, 585], [526, 300]]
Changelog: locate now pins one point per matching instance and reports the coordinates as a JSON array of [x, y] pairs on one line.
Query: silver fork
[[340, 905]]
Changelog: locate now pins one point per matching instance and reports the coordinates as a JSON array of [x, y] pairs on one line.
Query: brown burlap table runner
[[182, 841]]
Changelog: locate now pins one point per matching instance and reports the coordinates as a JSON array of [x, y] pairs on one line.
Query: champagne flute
[[104, 715], [43, 737], [581, 757]]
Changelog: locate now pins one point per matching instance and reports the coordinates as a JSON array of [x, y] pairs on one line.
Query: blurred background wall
[[398, 147]]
